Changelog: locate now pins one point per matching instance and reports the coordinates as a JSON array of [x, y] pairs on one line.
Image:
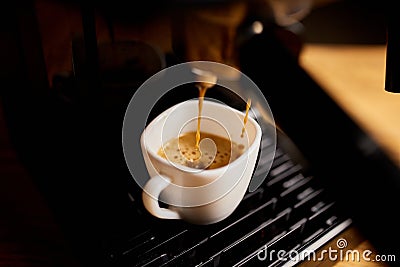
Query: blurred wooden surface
[[354, 76]]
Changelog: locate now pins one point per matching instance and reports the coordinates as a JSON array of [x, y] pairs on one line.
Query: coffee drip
[[207, 80], [202, 91], [248, 104]]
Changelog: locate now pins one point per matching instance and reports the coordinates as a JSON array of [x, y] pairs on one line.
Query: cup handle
[[150, 195]]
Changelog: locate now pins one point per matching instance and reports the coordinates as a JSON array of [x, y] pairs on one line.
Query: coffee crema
[[185, 149], [182, 150]]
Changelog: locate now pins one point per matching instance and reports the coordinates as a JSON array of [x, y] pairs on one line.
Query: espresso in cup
[[213, 152]]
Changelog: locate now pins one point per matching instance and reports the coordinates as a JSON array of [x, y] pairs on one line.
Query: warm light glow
[[257, 27]]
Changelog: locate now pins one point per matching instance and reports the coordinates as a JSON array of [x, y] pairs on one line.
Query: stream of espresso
[[202, 91], [246, 116]]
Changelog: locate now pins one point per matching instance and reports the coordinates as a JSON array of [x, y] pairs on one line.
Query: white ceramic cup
[[198, 196]]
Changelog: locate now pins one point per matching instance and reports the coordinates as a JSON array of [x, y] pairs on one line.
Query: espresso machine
[[66, 125]]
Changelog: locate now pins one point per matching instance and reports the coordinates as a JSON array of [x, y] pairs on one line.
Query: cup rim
[[206, 102]]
